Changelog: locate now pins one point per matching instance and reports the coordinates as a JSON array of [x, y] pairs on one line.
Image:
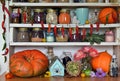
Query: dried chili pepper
[[97, 26], [42, 25], [24, 17], [7, 11], [6, 51], [4, 29], [77, 31], [70, 33], [91, 29], [3, 7], [4, 17], [62, 30], [55, 30], [83, 34], [49, 28]]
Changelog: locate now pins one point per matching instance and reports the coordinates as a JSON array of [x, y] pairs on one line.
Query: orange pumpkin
[[107, 15], [102, 61], [28, 63]]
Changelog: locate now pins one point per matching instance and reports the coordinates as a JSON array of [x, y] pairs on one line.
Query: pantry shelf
[[65, 25], [65, 4], [60, 44]]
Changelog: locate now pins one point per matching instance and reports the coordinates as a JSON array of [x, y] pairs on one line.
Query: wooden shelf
[[66, 25], [60, 44], [65, 4]]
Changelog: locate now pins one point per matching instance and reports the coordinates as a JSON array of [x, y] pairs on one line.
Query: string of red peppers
[[4, 9]]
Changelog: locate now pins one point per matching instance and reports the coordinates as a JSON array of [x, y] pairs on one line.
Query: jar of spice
[[39, 16], [37, 35], [33, 1], [91, 1], [16, 15], [62, 1], [51, 17], [26, 13], [23, 35], [109, 36], [64, 17], [46, 1], [62, 35], [50, 36]]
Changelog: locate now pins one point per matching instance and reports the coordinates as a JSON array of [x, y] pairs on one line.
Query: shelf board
[[64, 4], [60, 44], [65, 25]]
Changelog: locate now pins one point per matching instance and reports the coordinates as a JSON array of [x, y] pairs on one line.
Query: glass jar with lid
[[16, 15], [51, 17], [46, 1], [64, 17], [39, 15], [62, 1], [62, 35], [23, 35], [50, 36], [37, 35], [33, 1]]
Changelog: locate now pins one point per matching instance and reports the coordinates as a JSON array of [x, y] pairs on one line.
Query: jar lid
[[64, 10], [51, 10], [36, 29], [23, 29], [38, 10]]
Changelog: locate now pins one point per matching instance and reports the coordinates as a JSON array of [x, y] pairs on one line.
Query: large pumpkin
[[107, 15], [28, 63], [102, 61]]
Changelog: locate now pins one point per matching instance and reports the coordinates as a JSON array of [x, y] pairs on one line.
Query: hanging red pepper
[[62, 30], [83, 34], [55, 30], [4, 17], [6, 51], [3, 7], [97, 26], [77, 31], [24, 17], [91, 29], [70, 33], [42, 25], [49, 28], [4, 29]]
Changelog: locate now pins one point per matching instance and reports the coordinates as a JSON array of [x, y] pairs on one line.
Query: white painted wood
[[66, 25], [64, 4]]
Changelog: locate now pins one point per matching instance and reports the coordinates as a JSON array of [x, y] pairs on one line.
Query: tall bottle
[[114, 67]]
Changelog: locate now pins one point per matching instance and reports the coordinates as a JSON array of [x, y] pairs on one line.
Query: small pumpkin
[[28, 63], [102, 61], [107, 15]]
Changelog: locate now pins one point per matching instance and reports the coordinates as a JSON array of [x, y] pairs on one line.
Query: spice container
[[91, 1], [26, 13], [50, 36], [16, 15], [51, 16], [62, 35], [76, 36], [62, 1], [46, 1], [37, 35], [64, 17], [33, 1], [109, 36], [23, 35], [39, 16]]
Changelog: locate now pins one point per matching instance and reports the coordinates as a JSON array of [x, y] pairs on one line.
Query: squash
[[102, 61], [107, 16], [28, 63]]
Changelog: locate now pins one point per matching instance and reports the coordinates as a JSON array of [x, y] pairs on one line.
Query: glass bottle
[[50, 36], [26, 13], [62, 36], [23, 35], [64, 17], [16, 15], [51, 17], [37, 35], [39, 16]]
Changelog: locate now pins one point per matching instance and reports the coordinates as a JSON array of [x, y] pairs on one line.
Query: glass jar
[[46, 1], [50, 36], [16, 15], [62, 1], [39, 16], [31, 1], [51, 17], [64, 17], [23, 35], [26, 14], [109, 36], [91, 1], [75, 37], [37, 35], [19, 0], [62, 36]]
